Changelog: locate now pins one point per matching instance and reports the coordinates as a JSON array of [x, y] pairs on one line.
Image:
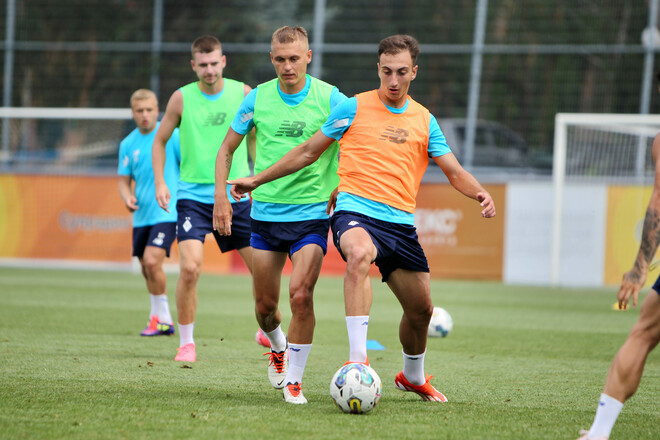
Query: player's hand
[[131, 203], [631, 284], [332, 203], [486, 201], [222, 214], [240, 187], [163, 196]]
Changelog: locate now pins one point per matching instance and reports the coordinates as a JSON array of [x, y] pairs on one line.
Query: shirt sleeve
[[336, 98], [340, 118], [243, 121], [124, 166], [437, 143]]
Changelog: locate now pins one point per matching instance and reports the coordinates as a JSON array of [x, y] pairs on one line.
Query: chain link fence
[[495, 71]]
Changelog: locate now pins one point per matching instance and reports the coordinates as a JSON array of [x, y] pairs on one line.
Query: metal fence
[[512, 63]]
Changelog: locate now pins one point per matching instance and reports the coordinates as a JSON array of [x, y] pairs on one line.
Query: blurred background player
[[154, 230], [288, 216], [203, 111], [628, 365], [385, 140]]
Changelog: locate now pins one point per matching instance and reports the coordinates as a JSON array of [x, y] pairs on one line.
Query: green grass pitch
[[521, 363]]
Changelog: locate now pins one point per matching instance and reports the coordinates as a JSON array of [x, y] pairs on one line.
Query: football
[[441, 323], [355, 388]]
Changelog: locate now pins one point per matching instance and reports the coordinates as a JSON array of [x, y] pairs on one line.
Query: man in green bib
[[290, 215], [203, 111]]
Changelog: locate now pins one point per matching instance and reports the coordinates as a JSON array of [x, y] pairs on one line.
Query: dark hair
[[289, 34], [205, 44], [398, 43]]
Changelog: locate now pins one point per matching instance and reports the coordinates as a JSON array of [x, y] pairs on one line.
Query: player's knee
[[301, 300], [420, 315], [358, 258], [266, 307], [151, 266], [646, 333], [190, 272]]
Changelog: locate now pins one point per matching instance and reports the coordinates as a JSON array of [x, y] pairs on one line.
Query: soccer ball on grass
[[441, 323], [355, 388]]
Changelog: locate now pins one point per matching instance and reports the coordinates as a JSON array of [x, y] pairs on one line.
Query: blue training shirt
[[243, 122], [339, 121], [135, 161]]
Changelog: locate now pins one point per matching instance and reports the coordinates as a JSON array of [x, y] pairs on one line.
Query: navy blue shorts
[[160, 235], [397, 244], [196, 220], [656, 286], [289, 237]]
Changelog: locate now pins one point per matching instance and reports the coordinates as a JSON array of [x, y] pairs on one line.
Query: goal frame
[[562, 120]]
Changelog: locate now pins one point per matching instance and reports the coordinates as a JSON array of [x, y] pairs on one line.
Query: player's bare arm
[[222, 209], [295, 160], [126, 193], [170, 121], [634, 279], [465, 183], [332, 202]]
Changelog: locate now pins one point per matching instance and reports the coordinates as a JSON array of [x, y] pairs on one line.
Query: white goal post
[[597, 148], [61, 139]]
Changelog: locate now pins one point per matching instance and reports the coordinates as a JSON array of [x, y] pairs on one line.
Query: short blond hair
[[141, 94], [290, 34]]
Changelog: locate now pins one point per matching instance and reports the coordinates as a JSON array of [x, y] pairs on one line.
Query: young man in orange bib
[[385, 140]]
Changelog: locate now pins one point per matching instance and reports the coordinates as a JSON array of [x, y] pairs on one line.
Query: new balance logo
[[215, 119], [393, 134], [291, 128]]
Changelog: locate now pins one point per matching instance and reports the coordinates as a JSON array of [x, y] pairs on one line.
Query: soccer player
[[385, 141], [288, 216], [154, 230], [203, 111], [628, 364]]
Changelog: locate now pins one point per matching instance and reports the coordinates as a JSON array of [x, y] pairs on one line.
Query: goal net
[[598, 149], [62, 140]]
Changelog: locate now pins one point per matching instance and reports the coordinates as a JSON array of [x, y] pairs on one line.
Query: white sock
[[154, 305], [160, 307], [357, 327], [186, 334], [413, 368], [277, 339], [606, 414], [298, 354]]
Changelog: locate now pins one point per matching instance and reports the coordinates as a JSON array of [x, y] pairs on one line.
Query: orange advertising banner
[[457, 240], [63, 217], [82, 218], [73, 218]]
